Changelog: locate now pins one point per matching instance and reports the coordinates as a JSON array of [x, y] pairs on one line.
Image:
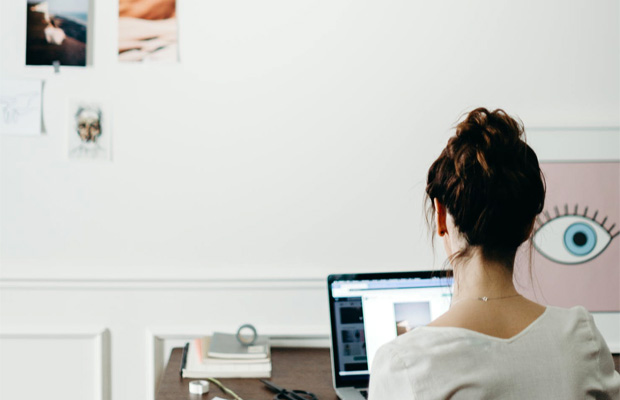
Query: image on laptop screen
[[369, 310]]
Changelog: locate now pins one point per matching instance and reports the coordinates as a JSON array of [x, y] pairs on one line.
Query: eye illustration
[[572, 238]]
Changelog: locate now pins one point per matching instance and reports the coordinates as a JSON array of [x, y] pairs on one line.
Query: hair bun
[[492, 139], [489, 179], [488, 129]]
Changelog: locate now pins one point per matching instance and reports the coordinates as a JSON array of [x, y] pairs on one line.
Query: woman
[[485, 190]]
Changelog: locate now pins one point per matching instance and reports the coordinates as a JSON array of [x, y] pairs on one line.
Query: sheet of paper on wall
[[147, 31], [20, 107], [88, 131]]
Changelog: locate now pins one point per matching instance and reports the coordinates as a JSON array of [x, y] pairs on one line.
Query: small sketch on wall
[[20, 107], [89, 135], [147, 31], [57, 30], [576, 258]]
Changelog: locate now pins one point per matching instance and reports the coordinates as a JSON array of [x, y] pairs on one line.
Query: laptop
[[369, 310]]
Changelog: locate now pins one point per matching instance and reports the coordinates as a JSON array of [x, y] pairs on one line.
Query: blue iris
[[580, 239]]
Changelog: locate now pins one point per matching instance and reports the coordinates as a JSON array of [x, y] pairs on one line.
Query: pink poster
[[576, 254]]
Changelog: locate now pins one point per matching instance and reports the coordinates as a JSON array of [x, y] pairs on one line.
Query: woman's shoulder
[[576, 312], [569, 318], [566, 322]]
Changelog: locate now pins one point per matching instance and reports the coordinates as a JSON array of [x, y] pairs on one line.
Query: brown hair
[[489, 180]]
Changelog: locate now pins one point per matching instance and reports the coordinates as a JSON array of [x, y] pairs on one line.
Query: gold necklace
[[485, 298]]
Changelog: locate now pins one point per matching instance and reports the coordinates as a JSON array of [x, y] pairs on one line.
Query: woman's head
[[489, 182]]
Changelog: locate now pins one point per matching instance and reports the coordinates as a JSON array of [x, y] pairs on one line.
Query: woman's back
[[484, 193], [561, 355]]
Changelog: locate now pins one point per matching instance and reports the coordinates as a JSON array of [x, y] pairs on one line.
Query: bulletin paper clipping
[[147, 31], [57, 31]]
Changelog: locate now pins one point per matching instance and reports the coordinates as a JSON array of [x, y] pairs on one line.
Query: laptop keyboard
[[364, 393]]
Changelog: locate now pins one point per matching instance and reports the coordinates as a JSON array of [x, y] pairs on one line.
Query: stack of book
[[223, 356]]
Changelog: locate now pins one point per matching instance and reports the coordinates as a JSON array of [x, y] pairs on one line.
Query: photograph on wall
[[89, 132], [411, 315], [20, 107], [57, 30], [147, 31], [576, 254]]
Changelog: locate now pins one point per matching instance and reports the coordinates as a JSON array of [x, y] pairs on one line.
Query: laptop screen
[[369, 310]]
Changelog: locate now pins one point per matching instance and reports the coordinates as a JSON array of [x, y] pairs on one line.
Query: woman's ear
[[440, 217]]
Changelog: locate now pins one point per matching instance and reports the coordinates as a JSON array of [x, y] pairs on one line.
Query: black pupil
[[580, 238]]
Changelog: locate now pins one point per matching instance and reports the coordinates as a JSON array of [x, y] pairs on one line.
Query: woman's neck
[[477, 277]]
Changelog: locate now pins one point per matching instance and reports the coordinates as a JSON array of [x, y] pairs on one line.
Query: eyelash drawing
[[575, 212], [572, 237]]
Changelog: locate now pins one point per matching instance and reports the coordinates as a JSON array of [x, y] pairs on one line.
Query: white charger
[[198, 387]]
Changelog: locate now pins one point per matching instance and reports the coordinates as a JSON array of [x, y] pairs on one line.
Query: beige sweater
[[561, 355]]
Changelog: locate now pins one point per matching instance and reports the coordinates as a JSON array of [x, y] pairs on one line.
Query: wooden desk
[[293, 368], [305, 369]]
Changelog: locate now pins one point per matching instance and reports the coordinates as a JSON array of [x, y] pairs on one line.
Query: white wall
[[290, 142]]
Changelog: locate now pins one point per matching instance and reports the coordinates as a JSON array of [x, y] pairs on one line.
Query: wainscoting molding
[[608, 323], [157, 339], [160, 284], [100, 338]]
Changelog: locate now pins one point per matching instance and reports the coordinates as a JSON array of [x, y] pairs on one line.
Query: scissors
[[283, 394]]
